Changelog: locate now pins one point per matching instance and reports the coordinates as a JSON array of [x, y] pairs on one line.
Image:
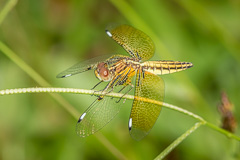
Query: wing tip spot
[[109, 33], [68, 75], [130, 124], [81, 118], [60, 76]]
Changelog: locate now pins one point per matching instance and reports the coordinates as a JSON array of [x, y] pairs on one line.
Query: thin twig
[[119, 95], [42, 82], [178, 141], [6, 9]]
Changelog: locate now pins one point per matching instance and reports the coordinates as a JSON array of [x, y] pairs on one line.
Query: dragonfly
[[124, 74]]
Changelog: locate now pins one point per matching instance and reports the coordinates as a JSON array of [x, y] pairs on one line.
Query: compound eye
[[100, 66], [104, 72]]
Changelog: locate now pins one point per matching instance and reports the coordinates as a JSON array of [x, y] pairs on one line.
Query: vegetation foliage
[[38, 39]]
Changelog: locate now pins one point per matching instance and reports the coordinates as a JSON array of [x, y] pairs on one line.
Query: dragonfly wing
[[144, 114], [83, 66], [98, 114], [134, 41]]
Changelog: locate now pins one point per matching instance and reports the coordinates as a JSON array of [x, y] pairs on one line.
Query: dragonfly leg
[[96, 92], [96, 85], [102, 90], [131, 85]]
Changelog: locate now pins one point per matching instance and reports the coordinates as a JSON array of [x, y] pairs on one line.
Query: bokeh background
[[52, 35]]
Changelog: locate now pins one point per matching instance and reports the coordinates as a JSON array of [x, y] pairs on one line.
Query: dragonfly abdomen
[[165, 67]]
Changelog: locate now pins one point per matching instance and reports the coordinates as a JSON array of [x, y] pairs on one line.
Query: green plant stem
[[107, 144], [6, 9], [17, 60], [42, 82], [178, 141], [228, 134], [36, 77], [118, 95]]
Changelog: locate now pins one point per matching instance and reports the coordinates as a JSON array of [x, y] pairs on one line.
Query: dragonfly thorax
[[102, 72], [122, 72]]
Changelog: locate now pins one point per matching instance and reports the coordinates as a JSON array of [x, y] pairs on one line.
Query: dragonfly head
[[102, 72]]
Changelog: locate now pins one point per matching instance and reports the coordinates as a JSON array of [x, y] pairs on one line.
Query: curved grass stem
[[42, 82], [136, 19], [178, 141], [6, 9], [118, 95]]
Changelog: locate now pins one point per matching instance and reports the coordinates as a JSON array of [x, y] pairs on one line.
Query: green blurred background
[[52, 35]]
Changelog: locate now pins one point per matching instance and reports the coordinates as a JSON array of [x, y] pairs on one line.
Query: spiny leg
[[125, 93], [96, 85]]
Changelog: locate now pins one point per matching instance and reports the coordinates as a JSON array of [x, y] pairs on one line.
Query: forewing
[[144, 114], [134, 41], [100, 113], [83, 66]]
